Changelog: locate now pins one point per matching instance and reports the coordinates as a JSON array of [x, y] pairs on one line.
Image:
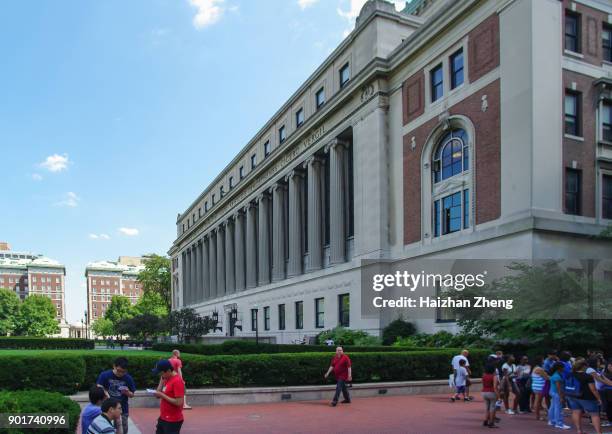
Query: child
[[461, 377], [92, 410], [555, 413]]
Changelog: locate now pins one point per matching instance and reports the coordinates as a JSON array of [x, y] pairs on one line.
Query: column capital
[[313, 160], [278, 186], [296, 172], [336, 142], [263, 195], [227, 222]]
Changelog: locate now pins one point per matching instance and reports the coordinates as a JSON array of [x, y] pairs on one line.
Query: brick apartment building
[[108, 278]]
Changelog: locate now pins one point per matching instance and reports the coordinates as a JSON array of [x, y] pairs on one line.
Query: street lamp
[[86, 329], [256, 307]]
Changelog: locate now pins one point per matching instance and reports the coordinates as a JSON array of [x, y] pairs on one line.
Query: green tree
[[119, 308], [143, 326], [103, 327], [397, 329], [187, 324], [151, 303], [9, 310], [37, 317], [156, 277]]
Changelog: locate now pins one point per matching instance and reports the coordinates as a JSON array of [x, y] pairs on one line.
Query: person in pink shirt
[[177, 366]]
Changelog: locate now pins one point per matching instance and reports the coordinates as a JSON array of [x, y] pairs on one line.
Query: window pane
[[607, 196], [607, 43], [572, 191], [466, 209], [606, 122], [437, 218], [572, 32], [344, 309], [457, 69], [436, 83]]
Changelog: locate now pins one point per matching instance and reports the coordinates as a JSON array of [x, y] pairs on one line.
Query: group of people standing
[[551, 385], [108, 408]]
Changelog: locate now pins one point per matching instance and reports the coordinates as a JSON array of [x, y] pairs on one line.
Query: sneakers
[[345, 401], [333, 403], [510, 411], [550, 423], [563, 426]]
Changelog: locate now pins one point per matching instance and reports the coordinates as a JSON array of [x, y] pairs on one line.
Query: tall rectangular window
[[606, 121], [344, 75], [320, 98], [606, 196], [299, 118], [253, 320], [299, 314], [572, 191], [231, 182], [253, 161], [344, 307], [572, 32], [456, 67], [281, 317], [282, 136], [466, 208], [267, 148], [572, 113], [319, 312], [267, 318], [241, 172], [437, 83], [606, 43]]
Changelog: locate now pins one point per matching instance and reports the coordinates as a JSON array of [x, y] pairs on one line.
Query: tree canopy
[[9, 310], [156, 277], [37, 317]]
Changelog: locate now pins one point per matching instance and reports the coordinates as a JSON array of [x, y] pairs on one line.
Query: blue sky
[[115, 115]]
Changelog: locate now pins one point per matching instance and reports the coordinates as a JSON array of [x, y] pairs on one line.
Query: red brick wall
[[483, 48], [413, 97], [591, 22], [488, 160], [583, 152]]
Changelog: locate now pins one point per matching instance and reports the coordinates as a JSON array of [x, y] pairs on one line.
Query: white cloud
[[208, 12], [37, 177], [130, 232], [55, 163], [304, 4], [70, 199], [99, 237]]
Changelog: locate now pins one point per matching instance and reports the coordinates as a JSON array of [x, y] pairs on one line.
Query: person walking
[[490, 394], [455, 364], [177, 365], [118, 384], [171, 392], [109, 421], [341, 367], [461, 378]]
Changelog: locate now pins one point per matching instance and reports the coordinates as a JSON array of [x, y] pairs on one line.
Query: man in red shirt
[[171, 392], [341, 365], [177, 365]]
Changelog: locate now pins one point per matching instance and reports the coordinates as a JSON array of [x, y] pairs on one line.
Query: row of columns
[[264, 242]]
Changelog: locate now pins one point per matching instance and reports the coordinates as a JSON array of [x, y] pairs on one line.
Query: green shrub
[[397, 329], [51, 372], [250, 347], [36, 401], [443, 339], [344, 336], [27, 343]]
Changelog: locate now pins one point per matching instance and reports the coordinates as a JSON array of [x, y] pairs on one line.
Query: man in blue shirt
[[89, 413], [120, 385]]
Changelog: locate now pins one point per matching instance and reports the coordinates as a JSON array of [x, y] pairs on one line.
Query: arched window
[[451, 183], [452, 155]]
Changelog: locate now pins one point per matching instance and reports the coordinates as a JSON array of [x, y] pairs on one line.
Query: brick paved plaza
[[393, 414]]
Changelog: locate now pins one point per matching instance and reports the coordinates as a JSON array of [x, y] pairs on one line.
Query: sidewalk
[[422, 414]]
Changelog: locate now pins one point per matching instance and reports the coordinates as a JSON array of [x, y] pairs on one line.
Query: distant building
[[28, 273], [108, 278]]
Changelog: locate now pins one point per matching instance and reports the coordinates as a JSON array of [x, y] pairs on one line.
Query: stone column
[[191, 274], [278, 232], [197, 272], [239, 250], [251, 246], [315, 213], [220, 262], [230, 272], [294, 267], [183, 278], [205, 270], [212, 263], [337, 198], [263, 263]]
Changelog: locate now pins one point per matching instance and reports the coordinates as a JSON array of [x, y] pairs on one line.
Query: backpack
[[572, 386]]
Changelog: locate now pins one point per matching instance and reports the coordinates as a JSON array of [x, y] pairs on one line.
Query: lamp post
[[256, 307], [86, 328]]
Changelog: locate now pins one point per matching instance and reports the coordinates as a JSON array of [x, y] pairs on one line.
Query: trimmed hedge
[[31, 343], [250, 347], [37, 401], [66, 373]]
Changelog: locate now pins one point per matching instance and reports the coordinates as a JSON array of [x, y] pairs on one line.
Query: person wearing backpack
[[557, 392], [583, 396]]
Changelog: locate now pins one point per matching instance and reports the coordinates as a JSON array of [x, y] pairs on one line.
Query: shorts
[[490, 398], [165, 427], [460, 389], [584, 405]]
